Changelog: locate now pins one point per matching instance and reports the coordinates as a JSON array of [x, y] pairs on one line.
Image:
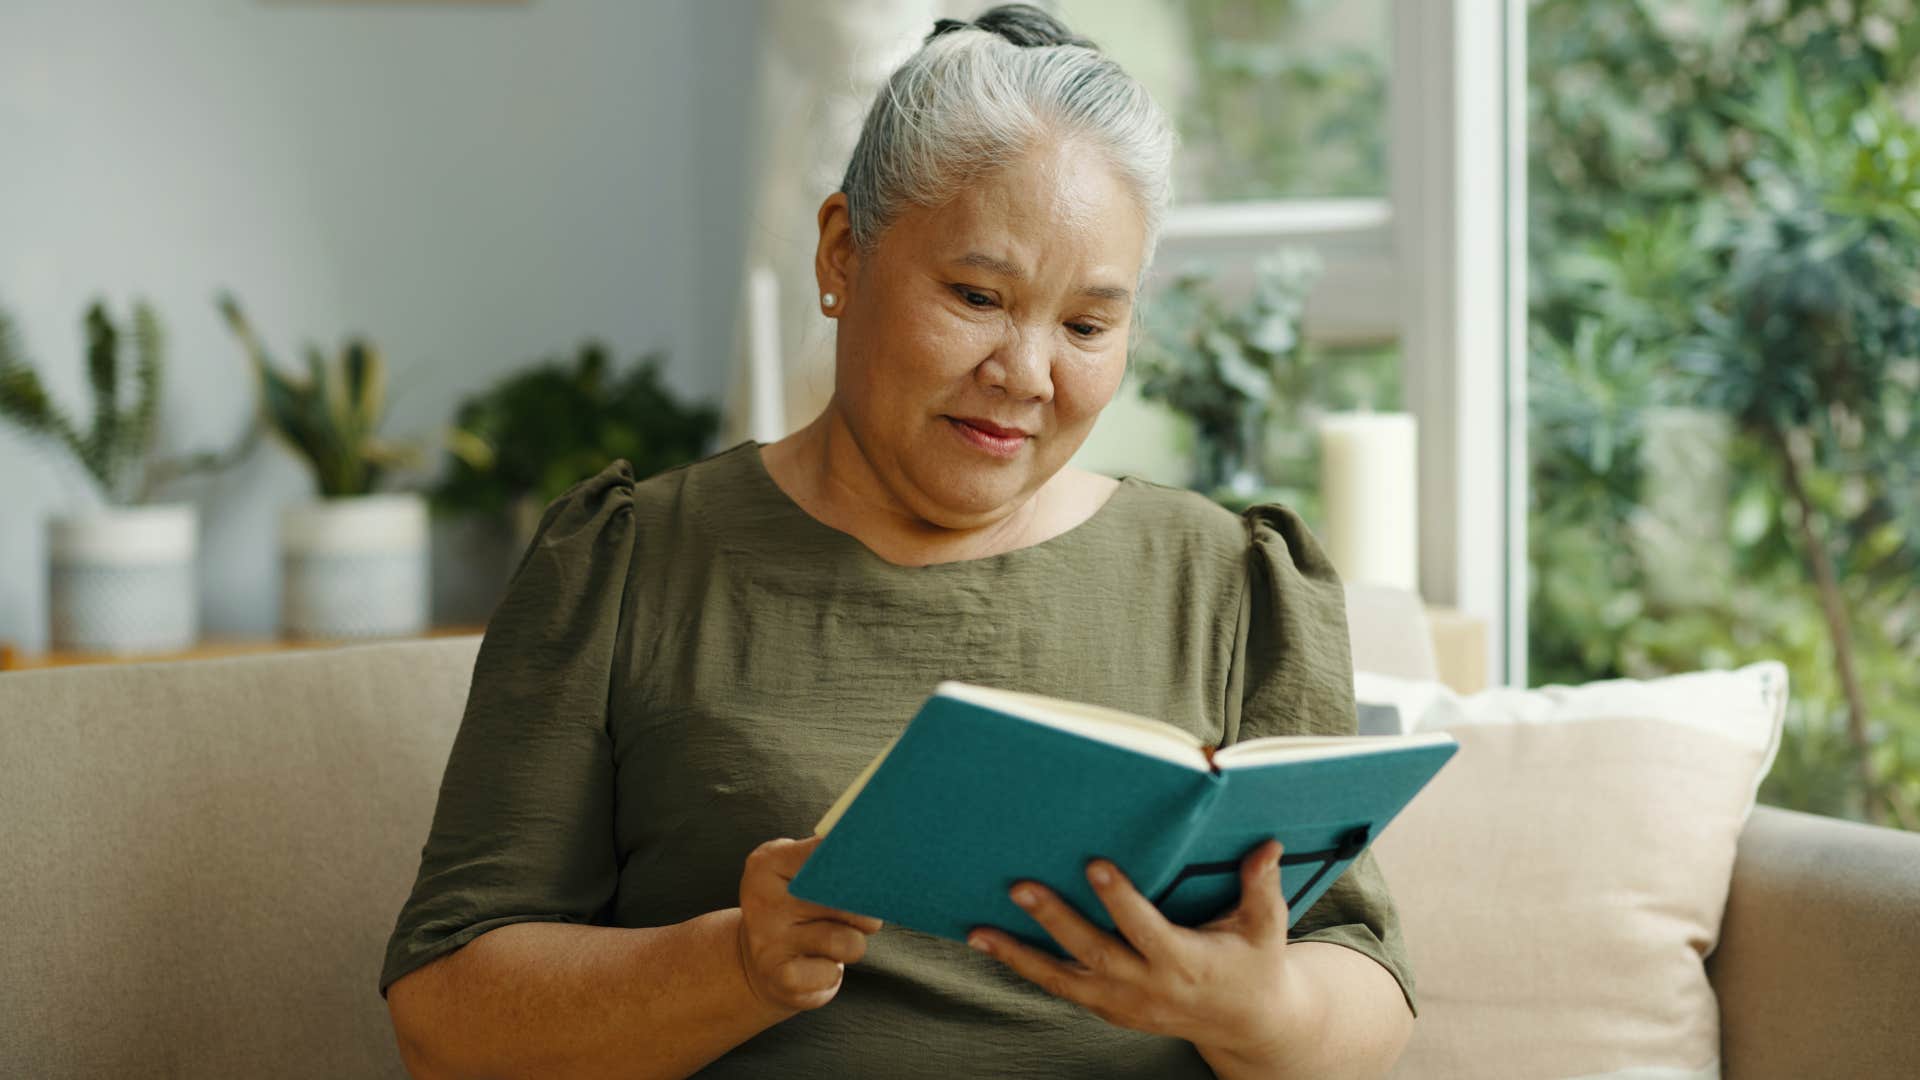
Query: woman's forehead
[[1053, 209]]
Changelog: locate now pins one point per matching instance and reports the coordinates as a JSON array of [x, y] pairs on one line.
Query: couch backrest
[[203, 860]]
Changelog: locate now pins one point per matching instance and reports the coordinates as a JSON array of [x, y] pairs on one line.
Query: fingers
[[773, 864], [829, 939], [1085, 942], [807, 982], [1062, 980], [1263, 907], [1133, 914], [804, 910], [784, 856], [794, 952]]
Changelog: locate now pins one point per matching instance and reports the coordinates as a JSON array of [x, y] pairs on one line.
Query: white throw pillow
[[1561, 881]]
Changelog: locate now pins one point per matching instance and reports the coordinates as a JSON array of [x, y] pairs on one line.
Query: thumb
[[1262, 905]]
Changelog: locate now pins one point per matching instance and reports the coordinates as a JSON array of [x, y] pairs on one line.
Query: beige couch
[[203, 861]]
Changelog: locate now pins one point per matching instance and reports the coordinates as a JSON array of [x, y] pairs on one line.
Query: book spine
[[1168, 855]]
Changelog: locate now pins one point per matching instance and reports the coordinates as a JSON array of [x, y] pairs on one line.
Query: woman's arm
[[550, 999], [1360, 1014], [566, 999]]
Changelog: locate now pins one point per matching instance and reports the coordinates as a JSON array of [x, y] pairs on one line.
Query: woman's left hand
[[1224, 986]]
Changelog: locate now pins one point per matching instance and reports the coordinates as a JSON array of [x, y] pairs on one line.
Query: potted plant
[[122, 576], [1227, 368], [518, 445], [353, 562]]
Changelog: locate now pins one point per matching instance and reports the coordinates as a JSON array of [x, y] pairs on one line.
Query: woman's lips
[[988, 437]]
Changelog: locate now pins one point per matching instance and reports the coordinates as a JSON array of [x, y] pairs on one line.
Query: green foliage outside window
[[1723, 227], [1271, 111], [1724, 232]]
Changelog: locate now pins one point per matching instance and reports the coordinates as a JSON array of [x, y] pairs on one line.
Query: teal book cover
[[988, 787]]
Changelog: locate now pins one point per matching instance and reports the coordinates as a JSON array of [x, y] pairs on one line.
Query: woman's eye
[[973, 297], [1085, 330]]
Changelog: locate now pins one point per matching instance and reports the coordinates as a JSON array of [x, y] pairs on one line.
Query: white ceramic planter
[[121, 580], [354, 567]]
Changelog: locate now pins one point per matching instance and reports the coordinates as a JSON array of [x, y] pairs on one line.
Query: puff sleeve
[[1295, 672], [523, 827]]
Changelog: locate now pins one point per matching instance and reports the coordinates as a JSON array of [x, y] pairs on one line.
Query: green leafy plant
[[115, 450], [539, 431], [330, 417], [1723, 199], [1223, 365], [1330, 138], [1810, 350]]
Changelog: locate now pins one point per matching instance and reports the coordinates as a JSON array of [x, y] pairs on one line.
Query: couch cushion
[[204, 860], [1563, 878], [1389, 632]]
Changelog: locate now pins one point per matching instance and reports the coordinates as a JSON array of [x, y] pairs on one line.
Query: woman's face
[[979, 340]]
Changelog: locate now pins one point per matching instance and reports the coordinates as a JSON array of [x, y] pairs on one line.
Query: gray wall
[[472, 185]]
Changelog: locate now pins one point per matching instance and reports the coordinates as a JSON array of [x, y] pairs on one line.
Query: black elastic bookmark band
[[1351, 844]]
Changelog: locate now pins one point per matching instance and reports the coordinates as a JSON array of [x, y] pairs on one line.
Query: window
[[1725, 367], [1376, 133]]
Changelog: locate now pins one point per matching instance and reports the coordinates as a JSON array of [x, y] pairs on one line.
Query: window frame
[[1439, 263]]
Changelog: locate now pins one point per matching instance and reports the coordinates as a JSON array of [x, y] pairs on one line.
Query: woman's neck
[[823, 469]]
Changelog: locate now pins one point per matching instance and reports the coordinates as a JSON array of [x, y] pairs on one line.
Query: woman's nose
[[1021, 366]]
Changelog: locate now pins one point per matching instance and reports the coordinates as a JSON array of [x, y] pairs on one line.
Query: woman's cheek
[[1085, 385], [951, 346]]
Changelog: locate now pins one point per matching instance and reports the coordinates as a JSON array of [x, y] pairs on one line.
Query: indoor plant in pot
[[522, 442], [121, 576], [1232, 369], [353, 562]]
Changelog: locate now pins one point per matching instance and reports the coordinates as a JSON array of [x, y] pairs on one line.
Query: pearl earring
[[827, 300]]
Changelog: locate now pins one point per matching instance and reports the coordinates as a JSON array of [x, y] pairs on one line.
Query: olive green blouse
[[686, 666]]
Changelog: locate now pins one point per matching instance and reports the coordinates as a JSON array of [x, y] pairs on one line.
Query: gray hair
[[977, 96]]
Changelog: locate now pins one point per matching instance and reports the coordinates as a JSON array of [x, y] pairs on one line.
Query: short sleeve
[[523, 828], [1296, 678]]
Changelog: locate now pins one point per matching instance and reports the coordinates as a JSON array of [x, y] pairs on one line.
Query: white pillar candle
[[766, 415], [1369, 490]]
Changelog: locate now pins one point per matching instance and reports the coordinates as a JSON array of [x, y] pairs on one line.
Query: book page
[[1137, 733], [1305, 747]]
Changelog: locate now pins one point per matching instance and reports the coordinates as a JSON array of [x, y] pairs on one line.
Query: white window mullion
[[1357, 298], [1519, 458], [1452, 191]]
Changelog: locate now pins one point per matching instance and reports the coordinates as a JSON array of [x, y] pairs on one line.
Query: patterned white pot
[[354, 567], [121, 580]]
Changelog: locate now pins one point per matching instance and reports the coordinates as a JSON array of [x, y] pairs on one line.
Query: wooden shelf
[[11, 659]]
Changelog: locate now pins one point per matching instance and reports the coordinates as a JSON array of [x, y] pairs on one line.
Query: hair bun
[[1022, 24]]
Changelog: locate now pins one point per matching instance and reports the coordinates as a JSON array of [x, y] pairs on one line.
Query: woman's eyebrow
[[997, 265]]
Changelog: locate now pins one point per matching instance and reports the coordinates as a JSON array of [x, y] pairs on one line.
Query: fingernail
[[979, 942], [1099, 874], [1024, 896]]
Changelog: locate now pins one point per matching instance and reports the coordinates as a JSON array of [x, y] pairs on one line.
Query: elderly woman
[[686, 670]]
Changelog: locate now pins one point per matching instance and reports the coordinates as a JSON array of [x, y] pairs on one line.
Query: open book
[[987, 787]]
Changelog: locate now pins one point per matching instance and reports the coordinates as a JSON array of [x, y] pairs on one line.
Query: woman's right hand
[[793, 952]]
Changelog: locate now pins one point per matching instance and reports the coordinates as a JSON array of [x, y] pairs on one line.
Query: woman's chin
[[964, 494]]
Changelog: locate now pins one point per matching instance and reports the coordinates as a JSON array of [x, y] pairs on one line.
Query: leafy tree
[[1724, 220]]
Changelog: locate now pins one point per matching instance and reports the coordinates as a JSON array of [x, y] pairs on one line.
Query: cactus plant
[[115, 449], [329, 417]]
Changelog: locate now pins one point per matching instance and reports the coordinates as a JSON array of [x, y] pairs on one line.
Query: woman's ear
[[836, 262]]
